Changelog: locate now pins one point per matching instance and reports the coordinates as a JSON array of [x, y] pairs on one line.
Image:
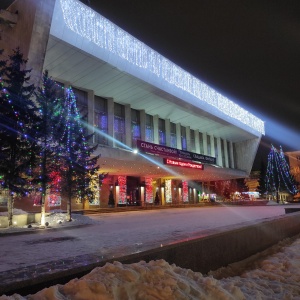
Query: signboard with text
[[173, 152], [182, 163]]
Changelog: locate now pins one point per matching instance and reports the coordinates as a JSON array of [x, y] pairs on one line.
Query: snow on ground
[[273, 274]]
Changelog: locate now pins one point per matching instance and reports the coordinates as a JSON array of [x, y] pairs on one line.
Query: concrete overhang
[[120, 161], [75, 57]]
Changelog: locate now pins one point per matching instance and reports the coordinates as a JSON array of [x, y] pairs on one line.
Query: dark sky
[[248, 50]]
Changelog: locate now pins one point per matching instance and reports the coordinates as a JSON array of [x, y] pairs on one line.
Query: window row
[[154, 130]]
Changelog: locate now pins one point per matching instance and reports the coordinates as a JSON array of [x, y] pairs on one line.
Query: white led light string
[[106, 35]]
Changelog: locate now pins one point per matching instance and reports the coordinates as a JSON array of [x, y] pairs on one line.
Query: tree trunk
[[10, 209], [44, 171], [69, 210], [43, 210]]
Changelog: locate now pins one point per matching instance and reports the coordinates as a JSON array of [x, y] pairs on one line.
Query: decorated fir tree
[[48, 100], [278, 177], [77, 163], [17, 132]]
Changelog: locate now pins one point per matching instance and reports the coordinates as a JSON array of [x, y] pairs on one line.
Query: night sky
[[247, 50]]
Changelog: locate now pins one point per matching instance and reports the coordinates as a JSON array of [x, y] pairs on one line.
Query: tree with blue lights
[[78, 166], [17, 132], [278, 177]]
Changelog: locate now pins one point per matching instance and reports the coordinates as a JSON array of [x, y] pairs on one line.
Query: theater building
[[162, 133]]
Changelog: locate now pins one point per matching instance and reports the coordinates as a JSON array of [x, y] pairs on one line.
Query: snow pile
[[274, 277], [153, 280], [55, 219], [58, 219]]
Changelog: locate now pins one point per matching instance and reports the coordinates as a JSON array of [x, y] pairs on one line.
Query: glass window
[[101, 122], [82, 105], [119, 122], [192, 144], [183, 138], [82, 102], [173, 137], [208, 145], [161, 132], [234, 153], [149, 128], [135, 126]]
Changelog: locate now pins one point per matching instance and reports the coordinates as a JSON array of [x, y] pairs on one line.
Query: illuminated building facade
[[162, 133]]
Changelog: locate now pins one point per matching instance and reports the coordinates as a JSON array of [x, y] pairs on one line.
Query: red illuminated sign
[[184, 164]]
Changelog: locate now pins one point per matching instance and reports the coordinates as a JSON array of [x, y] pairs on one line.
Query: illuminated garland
[[95, 28], [168, 190], [185, 192], [95, 187], [54, 200], [122, 189], [149, 189]]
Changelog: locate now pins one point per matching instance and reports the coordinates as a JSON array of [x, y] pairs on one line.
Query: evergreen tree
[[17, 133], [278, 177], [48, 102], [261, 180], [78, 166]]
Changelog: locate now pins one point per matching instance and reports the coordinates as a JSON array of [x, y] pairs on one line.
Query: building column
[[212, 146], [226, 154], [204, 135], [110, 121], [231, 155], [220, 156]]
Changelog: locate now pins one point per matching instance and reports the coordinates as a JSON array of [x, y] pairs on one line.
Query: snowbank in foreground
[[276, 276]]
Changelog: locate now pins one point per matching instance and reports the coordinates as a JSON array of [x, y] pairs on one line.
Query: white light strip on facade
[[106, 35]]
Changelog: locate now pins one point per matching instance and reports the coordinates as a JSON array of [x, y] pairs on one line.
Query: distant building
[[187, 134], [252, 181], [294, 161]]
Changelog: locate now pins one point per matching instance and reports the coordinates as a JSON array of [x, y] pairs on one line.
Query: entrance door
[[133, 195]]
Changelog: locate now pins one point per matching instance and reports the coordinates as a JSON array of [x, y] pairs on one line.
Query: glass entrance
[[133, 194]]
